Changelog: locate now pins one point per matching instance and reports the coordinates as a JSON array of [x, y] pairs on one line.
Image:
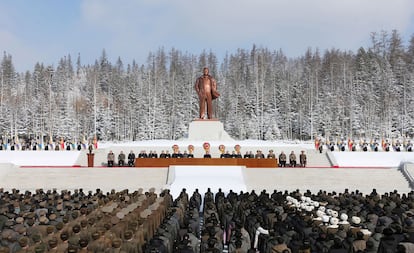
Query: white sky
[[47, 30]]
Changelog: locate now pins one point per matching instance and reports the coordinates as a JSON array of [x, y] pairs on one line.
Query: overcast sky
[[46, 30]]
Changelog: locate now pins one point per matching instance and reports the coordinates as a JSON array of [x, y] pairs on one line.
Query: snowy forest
[[264, 94]]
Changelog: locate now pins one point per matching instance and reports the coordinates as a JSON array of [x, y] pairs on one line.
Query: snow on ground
[[372, 159], [40, 158], [225, 178]]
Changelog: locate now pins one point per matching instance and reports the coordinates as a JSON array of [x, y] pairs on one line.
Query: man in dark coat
[[121, 159], [292, 159], [131, 158], [302, 159]]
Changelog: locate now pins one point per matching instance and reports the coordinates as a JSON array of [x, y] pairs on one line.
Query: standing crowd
[[364, 145], [138, 221]]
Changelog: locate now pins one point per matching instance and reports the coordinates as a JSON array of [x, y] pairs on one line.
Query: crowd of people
[[56, 145], [282, 158], [52, 221], [306, 222], [321, 143], [374, 145], [138, 221]]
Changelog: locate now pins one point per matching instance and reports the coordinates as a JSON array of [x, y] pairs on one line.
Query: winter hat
[[355, 220], [334, 222], [325, 218]]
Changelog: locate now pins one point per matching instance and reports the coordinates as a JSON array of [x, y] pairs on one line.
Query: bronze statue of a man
[[206, 88]]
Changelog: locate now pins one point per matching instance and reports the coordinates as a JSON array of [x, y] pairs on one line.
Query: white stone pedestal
[[207, 130]]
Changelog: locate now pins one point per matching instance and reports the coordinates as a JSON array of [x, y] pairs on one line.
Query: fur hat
[[355, 220], [344, 219], [19, 220], [120, 215], [43, 220], [334, 222]]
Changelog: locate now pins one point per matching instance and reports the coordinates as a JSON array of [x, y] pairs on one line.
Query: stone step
[[316, 159]]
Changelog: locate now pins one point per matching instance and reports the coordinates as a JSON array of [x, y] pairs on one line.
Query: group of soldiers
[[116, 221], [292, 159], [121, 159], [147, 222], [308, 222]]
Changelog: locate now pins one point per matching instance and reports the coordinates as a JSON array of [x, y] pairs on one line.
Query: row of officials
[[248, 155]]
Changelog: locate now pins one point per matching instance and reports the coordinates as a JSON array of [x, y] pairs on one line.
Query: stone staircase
[[318, 160], [407, 170]]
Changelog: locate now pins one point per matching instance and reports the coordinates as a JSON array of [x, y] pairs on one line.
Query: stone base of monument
[[207, 130]]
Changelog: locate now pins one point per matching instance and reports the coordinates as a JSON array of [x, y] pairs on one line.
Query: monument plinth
[[207, 130]]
